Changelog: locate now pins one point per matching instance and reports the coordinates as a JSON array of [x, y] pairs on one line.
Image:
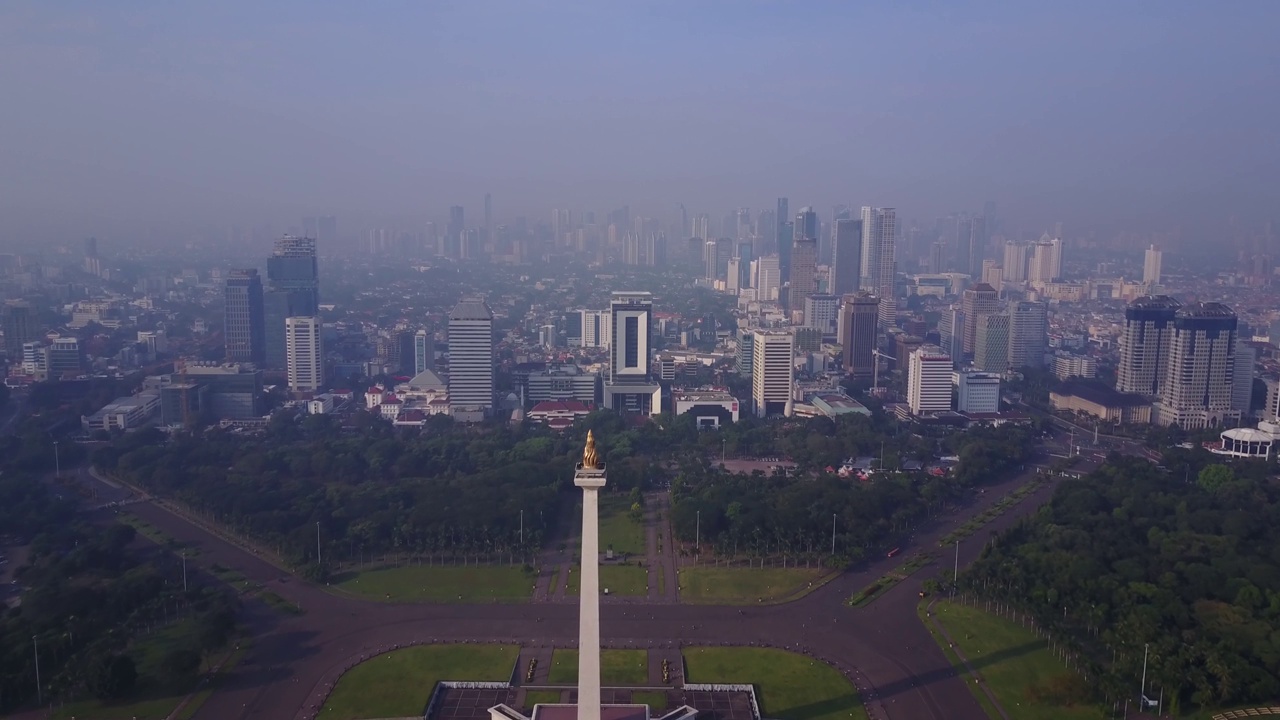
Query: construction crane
[[875, 367]]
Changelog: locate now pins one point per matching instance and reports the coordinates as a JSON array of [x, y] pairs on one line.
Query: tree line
[[1181, 563]]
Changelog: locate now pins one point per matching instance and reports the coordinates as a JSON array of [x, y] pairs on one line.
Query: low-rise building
[[125, 413], [710, 407], [1102, 402], [558, 414]]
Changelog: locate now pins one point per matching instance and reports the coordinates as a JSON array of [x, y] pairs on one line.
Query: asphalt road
[[883, 646]]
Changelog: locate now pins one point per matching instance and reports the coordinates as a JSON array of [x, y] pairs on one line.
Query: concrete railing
[[750, 690]]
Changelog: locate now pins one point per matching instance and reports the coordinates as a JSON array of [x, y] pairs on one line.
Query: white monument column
[[590, 477]]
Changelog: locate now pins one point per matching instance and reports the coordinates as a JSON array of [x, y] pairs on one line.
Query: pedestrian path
[[659, 550], [933, 621]]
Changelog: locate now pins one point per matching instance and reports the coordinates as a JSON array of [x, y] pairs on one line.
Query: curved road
[[883, 646]]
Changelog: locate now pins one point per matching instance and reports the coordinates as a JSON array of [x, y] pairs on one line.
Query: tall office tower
[[595, 328], [768, 279], [936, 251], [746, 250], [743, 230], [401, 351], [702, 227], [243, 328], [846, 257], [951, 331], [821, 313], [1271, 413], [293, 290], [859, 315], [1144, 344], [709, 257], [1028, 334], [929, 380], [992, 274], [879, 228], [453, 242], [772, 379], [561, 224], [782, 215], [787, 234], [961, 248], [91, 247], [424, 352], [1015, 262], [1046, 260], [20, 324], [803, 229], [804, 271], [304, 353], [1197, 389], [991, 344], [1242, 378], [722, 252], [732, 279], [975, 245], [1151, 263], [767, 232], [629, 386], [471, 360], [977, 300]]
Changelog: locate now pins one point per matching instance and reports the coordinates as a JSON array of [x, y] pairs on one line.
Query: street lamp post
[[955, 576], [57, 462], [697, 533], [317, 542], [184, 571], [833, 533], [35, 646]]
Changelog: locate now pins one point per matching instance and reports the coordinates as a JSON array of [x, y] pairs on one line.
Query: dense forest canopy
[[1133, 556]]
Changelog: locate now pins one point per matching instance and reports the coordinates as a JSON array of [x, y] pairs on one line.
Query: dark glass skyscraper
[[846, 257], [294, 291], [243, 328]]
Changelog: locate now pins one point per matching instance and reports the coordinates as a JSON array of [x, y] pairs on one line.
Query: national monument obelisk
[[590, 477]]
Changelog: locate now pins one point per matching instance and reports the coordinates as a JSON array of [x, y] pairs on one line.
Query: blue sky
[[124, 114]]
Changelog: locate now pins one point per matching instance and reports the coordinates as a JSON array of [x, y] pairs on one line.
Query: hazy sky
[[122, 114]]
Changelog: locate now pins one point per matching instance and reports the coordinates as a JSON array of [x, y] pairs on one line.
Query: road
[[883, 646]]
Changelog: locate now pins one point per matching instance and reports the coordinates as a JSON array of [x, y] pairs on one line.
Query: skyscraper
[[1028, 334], [768, 278], [821, 312], [293, 290], [879, 228], [1198, 382], [804, 271], [1046, 260], [424, 352], [1151, 263], [951, 331], [846, 257], [20, 324], [772, 378], [629, 386], [471, 360], [781, 216], [1242, 378], [304, 353], [858, 319], [1144, 343], [977, 300], [454, 239], [595, 328], [244, 327], [991, 343], [929, 380], [1015, 262]]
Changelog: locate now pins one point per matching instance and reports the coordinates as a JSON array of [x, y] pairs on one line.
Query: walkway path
[[659, 553], [933, 622]]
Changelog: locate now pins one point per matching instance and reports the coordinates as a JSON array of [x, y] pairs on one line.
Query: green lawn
[[399, 683], [279, 603], [654, 699], [1013, 663], [617, 528], [449, 583], [789, 686], [617, 667], [619, 579], [712, 585], [533, 697]]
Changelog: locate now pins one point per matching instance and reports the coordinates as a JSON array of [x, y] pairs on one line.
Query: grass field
[[617, 667], [533, 697], [790, 686], [399, 683], [628, 580], [889, 579], [711, 585], [654, 699], [448, 583], [617, 528], [1012, 662]]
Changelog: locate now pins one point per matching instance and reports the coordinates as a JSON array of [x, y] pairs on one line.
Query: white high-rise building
[[1198, 382], [424, 352], [879, 228], [1015, 263], [768, 278], [732, 276], [1151, 263], [471, 359], [629, 385], [595, 328], [1046, 260], [929, 380], [772, 376], [304, 353]]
